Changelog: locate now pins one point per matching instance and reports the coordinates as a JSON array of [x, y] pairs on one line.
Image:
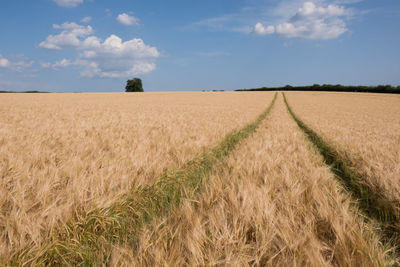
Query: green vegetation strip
[[23, 92], [89, 239], [371, 200]]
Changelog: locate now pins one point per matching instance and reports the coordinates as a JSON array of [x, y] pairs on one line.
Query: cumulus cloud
[[68, 3], [310, 22], [127, 20], [69, 36], [18, 63], [116, 58], [261, 30], [112, 57]]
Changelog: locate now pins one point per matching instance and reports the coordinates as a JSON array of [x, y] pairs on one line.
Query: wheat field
[[66, 153], [365, 129], [259, 191], [272, 203]]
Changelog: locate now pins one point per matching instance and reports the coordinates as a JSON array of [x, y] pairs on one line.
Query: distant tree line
[[22, 92], [388, 89]]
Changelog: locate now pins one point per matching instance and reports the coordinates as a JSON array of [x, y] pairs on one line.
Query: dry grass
[[272, 203], [62, 154], [364, 128]]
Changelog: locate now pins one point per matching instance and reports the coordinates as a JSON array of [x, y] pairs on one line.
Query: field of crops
[[365, 129], [171, 179]]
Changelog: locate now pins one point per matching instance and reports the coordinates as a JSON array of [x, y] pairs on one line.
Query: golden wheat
[[272, 203], [365, 129], [62, 154]]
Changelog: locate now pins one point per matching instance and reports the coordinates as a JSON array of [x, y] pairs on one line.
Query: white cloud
[[62, 63], [57, 65], [115, 58], [310, 19], [310, 22], [261, 30], [17, 63], [91, 42], [68, 3], [4, 63], [112, 57], [309, 9], [236, 22], [86, 19], [69, 37], [127, 20]]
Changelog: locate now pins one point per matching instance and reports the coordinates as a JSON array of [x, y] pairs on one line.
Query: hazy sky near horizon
[[96, 45]]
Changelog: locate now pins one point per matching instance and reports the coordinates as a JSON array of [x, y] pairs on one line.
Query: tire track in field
[[374, 204], [89, 239]]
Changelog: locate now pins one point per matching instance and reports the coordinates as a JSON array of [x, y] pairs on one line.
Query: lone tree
[[134, 85]]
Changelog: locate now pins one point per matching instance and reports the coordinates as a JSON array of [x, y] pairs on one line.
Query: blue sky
[[96, 45]]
